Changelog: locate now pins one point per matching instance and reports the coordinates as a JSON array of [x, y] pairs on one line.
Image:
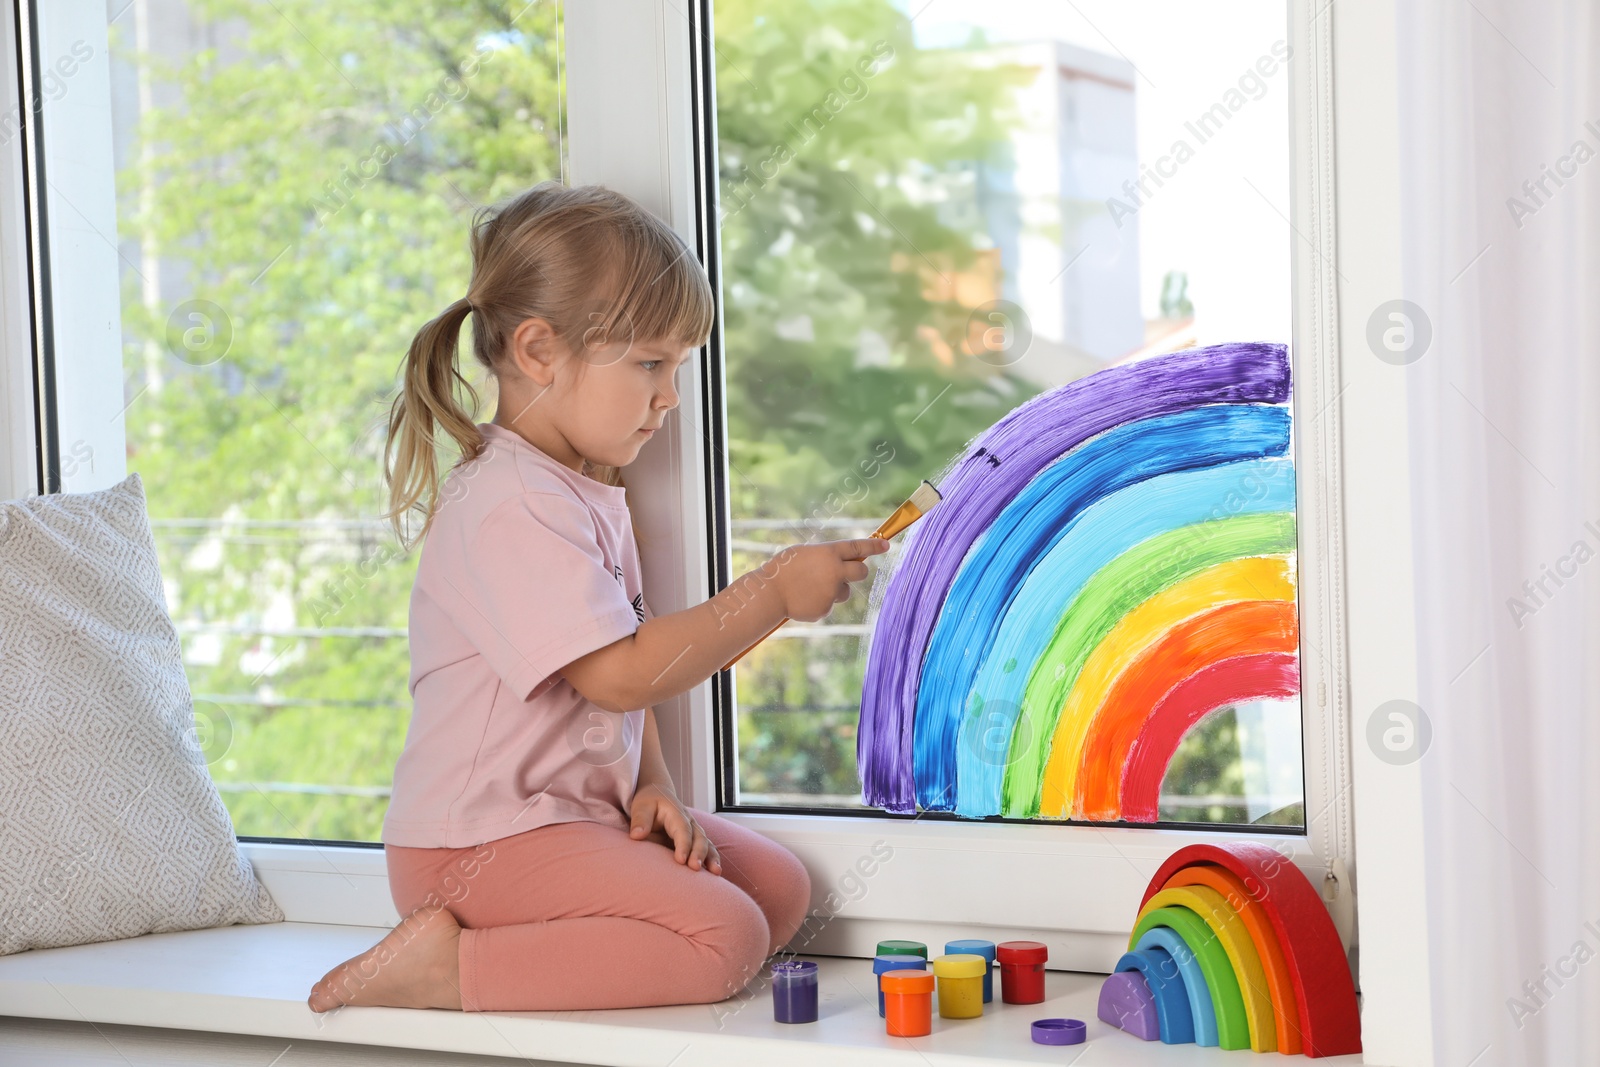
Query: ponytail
[[430, 395]]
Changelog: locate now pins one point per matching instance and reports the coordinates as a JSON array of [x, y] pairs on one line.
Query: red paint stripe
[[1253, 677], [1161, 673]]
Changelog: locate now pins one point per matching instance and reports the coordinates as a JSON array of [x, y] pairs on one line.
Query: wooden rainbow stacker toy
[[1234, 948]]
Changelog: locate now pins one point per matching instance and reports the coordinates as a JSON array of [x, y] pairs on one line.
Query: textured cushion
[[110, 824]]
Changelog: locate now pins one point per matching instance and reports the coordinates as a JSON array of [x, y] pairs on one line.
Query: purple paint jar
[[794, 991]]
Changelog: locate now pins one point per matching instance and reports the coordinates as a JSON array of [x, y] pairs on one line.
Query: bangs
[[658, 291]]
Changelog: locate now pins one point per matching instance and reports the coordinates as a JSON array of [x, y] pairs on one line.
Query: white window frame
[[943, 874], [636, 80], [73, 159]]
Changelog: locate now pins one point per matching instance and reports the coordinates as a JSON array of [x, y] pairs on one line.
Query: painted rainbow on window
[[1110, 562], [1233, 948]]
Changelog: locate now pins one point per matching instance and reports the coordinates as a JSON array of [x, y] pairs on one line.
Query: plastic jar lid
[[895, 962], [795, 972], [1059, 1031], [960, 965], [971, 947], [902, 948], [907, 981], [1022, 951]]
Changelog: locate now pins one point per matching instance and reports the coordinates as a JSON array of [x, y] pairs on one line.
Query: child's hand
[[813, 578], [654, 807]]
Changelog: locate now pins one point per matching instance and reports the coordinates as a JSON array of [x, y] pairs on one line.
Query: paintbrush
[[919, 504]]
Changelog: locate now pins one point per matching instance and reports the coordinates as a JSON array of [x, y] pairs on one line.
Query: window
[[930, 213], [292, 187], [184, 156]]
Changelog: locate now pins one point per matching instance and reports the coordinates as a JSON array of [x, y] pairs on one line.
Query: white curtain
[[1500, 128]]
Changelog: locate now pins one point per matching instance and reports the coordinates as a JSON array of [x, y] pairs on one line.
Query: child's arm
[[652, 765], [671, 654], [656, 814]]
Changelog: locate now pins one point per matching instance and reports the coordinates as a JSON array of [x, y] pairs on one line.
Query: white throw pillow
[[110, 824]]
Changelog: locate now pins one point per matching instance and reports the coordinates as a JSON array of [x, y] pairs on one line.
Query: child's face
[[596, 404], [607, 407]]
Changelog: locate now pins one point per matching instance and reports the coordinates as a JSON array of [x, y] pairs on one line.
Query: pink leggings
[[578, 915]]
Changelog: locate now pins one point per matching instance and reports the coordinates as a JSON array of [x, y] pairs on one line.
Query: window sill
[[254, 980], [1076, 888]]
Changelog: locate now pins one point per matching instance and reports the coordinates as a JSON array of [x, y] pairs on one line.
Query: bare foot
[[414, 966]]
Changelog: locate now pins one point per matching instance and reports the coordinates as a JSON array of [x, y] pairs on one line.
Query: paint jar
[[794, 991], [908, 1003], [893, 962], [977, 948], [902, 948], [960, 985], [1022, 971]]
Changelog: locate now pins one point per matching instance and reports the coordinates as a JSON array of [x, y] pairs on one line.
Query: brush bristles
[[925, 497]]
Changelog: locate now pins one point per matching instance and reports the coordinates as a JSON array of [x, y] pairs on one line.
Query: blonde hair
[[592, 263]]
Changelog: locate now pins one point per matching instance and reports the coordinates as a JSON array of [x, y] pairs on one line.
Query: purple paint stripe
[[994, 469]]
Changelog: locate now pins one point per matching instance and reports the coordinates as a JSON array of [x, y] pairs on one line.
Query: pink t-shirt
[[527, 566]]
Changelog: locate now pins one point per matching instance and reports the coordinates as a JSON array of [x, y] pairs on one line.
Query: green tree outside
[[317, 179]]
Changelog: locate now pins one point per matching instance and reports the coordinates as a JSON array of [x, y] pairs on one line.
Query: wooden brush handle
[[763, 637]]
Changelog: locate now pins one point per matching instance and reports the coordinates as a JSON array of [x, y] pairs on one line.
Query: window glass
[[294, 183], [931, 212]]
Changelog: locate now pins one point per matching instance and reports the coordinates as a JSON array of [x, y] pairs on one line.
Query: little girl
[[534, 840]]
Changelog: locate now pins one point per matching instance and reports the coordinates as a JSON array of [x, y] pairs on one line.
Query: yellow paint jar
[[960, 976]]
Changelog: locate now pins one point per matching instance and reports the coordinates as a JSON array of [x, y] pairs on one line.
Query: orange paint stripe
[[1239, 629]]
